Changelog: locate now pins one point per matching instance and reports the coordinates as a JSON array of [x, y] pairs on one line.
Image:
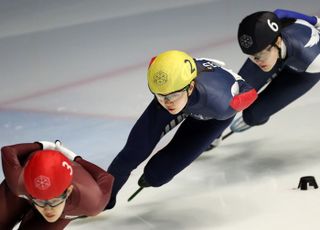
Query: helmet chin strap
[[278, 47], [189, 95], [277, 65], [279, 51]]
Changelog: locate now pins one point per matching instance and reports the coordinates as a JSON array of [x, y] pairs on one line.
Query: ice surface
[[76, 71]]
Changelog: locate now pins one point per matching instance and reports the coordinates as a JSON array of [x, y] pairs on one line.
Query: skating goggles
[[52, 203], [262, 55], [172, 96]]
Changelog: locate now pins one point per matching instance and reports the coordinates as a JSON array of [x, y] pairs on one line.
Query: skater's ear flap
[[191, 87], [69, 190]]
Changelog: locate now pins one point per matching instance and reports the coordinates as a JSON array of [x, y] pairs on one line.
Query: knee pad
[[251, 118]]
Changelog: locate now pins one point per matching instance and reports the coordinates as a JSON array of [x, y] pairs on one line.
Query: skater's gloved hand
[[47, 145], [142, 182], [317, 25], [65, 151], [112, 202]]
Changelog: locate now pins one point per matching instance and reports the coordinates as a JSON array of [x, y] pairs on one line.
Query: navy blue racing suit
[[296, 72], [206, 115]]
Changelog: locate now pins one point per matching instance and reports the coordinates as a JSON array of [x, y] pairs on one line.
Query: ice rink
[[75, 70]]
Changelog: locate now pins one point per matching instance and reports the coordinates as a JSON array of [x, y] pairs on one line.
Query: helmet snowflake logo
[[42, 182], [246, 41], [160, 78]]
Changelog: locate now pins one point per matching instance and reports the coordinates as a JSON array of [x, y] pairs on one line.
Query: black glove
[[142, 182], [111, 204]]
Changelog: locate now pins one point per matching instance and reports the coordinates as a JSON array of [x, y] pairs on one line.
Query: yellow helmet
[[171, 71]]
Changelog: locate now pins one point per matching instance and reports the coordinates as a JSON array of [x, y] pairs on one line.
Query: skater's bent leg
[[190, 140]]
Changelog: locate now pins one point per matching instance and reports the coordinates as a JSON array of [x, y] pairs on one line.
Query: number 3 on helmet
[[47, 174]]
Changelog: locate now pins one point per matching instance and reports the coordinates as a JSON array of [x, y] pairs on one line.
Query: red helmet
[[47, 174]]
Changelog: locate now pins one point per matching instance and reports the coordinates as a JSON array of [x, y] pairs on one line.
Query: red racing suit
[[91, 192]]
